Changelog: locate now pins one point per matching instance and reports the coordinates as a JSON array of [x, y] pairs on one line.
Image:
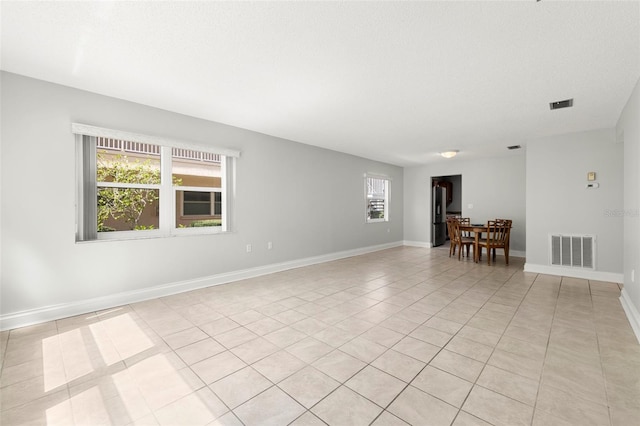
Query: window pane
[[196, 168], [126, 209], [195, 196], [375, 188], [127, 162], [198, 208], [195, 203], [375, 209], [376, 198]]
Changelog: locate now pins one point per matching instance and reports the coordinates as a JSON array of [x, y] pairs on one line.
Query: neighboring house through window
[[196, 203]]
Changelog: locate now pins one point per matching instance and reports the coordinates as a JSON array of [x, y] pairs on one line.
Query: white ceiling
[[391, 81]]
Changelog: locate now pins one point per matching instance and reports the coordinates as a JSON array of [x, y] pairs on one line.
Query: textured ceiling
[[391, 81]]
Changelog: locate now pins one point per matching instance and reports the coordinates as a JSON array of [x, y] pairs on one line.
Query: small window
[[377, 197]]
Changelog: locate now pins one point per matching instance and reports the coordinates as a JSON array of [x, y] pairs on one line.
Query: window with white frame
[[377, 198], [132, 186]]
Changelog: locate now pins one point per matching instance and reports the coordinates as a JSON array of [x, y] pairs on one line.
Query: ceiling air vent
[[512, 147], [561, 104]]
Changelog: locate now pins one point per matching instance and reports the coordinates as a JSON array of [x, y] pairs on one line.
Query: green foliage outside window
[[126, 204]]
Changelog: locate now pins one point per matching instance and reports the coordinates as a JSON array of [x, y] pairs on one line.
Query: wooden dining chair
[[457, 240], [452, 238], [465, 221], [498, 232], [509, 223]]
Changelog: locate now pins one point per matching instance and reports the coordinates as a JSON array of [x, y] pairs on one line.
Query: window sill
[[377, 220], [143, 235]]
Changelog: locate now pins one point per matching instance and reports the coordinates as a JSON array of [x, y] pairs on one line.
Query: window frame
[[387, 186], [93, 165], [87, 186]]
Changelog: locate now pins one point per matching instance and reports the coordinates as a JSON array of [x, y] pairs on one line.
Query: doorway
[[446, 200]]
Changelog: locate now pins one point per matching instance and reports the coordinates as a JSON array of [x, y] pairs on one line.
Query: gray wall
[[494, 186], [558, 202], [307, 201], [629, 129]]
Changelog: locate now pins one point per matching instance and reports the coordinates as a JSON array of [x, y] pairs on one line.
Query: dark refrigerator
[[439, 216]]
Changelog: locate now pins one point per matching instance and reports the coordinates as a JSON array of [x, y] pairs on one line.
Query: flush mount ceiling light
[[449, 154]]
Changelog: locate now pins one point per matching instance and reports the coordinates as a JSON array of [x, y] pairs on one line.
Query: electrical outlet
[[469, 206], [248, 248], [269, 245]]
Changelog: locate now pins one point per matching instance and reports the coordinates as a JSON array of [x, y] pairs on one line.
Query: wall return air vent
[[575, 251]]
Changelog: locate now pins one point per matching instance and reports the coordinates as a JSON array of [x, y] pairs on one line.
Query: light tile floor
[[401, 336]]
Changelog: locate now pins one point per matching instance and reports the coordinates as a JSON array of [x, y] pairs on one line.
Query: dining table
[[478, 229]]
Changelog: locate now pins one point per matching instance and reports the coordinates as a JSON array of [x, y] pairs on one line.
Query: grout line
[[452, 337], [604, 377], [448, 273], [494, 347]]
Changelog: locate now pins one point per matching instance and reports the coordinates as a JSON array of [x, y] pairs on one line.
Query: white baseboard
[[587, 274], [54, 312], [632, 313], [421, 244]]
